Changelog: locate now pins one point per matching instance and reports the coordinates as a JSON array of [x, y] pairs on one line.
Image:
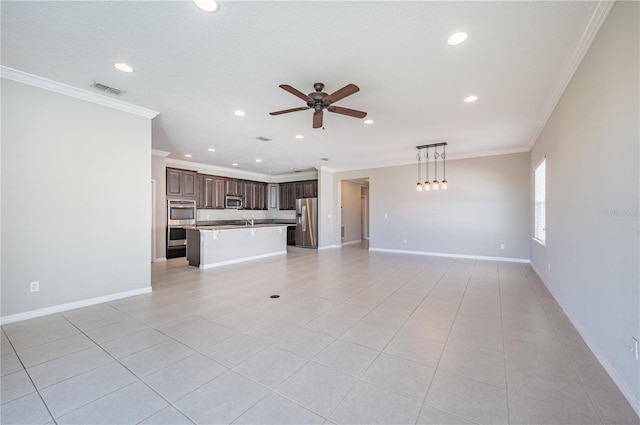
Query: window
[[540, 177]]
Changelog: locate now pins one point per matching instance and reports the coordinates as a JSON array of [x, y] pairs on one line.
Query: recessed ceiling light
[[123, 67], [239, 113], [470, 99], [187, 155], [235, 164], [368, 121], [258, 160], [211, 150], [299, 136], [457, 38], [207, 5]]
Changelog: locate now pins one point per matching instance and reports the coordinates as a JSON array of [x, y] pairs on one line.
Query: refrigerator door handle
[[304, 218]]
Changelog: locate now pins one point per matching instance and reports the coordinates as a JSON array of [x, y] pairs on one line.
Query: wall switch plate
[[501, 246], [404, 241], [549, 266], [34, 286], [386, 216], [635, 347]]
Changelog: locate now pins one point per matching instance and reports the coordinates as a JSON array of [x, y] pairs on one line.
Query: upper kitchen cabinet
[[291, 191], [310, 189], [181, 184], [211, 191], [248, 197], [255, 196], [234, 187]]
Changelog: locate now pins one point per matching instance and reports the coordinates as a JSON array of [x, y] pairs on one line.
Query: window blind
[[540, 177]]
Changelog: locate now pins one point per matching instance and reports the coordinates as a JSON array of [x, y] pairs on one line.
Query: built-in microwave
[[234, 202]]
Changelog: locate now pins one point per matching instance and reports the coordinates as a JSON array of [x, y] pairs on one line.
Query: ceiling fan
[[319, 101]]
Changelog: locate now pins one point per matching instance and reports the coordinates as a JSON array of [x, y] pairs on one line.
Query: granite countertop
[[243, 223], [237, 226]]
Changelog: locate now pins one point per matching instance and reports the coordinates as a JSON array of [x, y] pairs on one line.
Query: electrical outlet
[[502, 246], [34, 286]]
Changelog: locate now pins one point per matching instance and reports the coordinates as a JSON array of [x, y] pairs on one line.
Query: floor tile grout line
[[447, 339], [31, 380], [504, 354], [139, 379], [564, 349]]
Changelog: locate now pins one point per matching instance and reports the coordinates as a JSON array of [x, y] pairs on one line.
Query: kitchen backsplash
[[210, 215]]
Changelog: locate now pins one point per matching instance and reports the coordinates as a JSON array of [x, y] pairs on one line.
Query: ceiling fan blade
[[295, 92], [347, 90], [286, 111], [317, 119], [347, 111]]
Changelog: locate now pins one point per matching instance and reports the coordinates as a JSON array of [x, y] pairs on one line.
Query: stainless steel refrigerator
[[307, 222]]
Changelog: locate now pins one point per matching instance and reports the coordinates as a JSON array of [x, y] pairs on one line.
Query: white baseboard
[[625, 389], [241, 260], [352, 242], [442, 254], [320, 248], [71, 306], [160, 260]]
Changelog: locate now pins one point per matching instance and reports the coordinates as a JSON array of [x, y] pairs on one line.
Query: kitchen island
[[214, 246]]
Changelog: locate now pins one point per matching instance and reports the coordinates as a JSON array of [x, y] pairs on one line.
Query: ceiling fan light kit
[[442, 156], [319, 101]]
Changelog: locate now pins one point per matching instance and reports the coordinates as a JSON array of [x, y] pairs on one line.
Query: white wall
[[486, 205], [327, 209], [75, 199], [351, 207], [158, 172], [591, 145]]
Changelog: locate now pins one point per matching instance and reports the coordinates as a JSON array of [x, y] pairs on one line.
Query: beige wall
[[591, 259], [486, 205], [75, 199], [159, 174]]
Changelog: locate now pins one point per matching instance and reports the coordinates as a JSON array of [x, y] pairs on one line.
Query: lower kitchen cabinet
[[291, 235]]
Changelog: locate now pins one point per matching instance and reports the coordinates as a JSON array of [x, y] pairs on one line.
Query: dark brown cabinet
[[249, 196], [234, 187], [211, 192], [291, 235], [181, 184], [291, 191], [310, 189]]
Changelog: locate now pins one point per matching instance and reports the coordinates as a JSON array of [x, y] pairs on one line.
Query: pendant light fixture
[[435, 184], [443, 185], [419, 185]]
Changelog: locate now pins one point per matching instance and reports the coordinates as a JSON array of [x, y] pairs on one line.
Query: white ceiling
[[197, 68]]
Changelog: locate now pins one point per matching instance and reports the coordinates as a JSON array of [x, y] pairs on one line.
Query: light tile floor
[[355, 337]]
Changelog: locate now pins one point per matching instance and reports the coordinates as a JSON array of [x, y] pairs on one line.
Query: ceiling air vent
[[324, 159], [106, 88], [264, 139]]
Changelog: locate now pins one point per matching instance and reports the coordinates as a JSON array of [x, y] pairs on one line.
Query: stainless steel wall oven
[[180, 214]]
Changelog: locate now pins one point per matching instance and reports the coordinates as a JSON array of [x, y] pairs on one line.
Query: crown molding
[[54, 86], [157, 152], [241, 174], [592, 26]]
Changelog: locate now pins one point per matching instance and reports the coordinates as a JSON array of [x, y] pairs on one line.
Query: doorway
[[354, 210]]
